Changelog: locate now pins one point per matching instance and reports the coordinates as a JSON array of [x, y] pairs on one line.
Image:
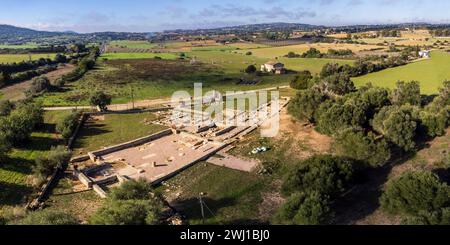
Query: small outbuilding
[[425, 54], [274, 67]]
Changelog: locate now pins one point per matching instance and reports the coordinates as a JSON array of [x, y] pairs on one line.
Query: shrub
[[5, 146], [305, 104], [39, 85], [68, 124], [305, 209], [101, 100], [359, 146], [249, 53], [132, 203], [5, 108], [18, 126], [398, 124], [439, 217], [302, 80], [250, 69], [434, 124], [57, 156], [46, 217], [326, 174], [414, 192], [407, 93]]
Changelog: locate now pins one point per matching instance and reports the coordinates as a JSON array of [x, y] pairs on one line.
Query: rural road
[[145, 103], [16, 91]]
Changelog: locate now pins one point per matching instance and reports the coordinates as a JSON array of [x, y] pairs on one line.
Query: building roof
[[272, 63]]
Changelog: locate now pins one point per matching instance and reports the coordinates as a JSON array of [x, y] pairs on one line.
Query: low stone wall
[[224, 131], [84, 179], [95, 154], [99, 191]]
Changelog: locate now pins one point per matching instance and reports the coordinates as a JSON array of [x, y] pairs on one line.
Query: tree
[[68, 124], [302, 80], [439, 217], [312, 53], [414, 192], [101, 100], [305, 209], [47, 217], [133, 203], [338, 83], [398, 124], [57, 156], [326, 174], [250, 69], [39, 85], [4, 78], [407, 93], [18, 126], [5, 147], [60, 58], [357, 145], [334, 116], [305, 104], [434, 124]]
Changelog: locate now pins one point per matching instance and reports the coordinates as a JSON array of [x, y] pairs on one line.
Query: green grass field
[[23, 46], [14, 172], [232, 196], [132, 44], [11, 58], [126, 56], [114, 129], [430, 73]]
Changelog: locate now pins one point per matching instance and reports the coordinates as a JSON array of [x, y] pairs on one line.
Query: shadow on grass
[[17, 164], [191, 207], [37, 143], [13, 194]]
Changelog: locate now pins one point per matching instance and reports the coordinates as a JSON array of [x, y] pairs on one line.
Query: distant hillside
[[13, 34]]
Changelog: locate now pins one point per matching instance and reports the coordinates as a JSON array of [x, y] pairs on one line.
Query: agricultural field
[[112, 129], [126, 56], [132, 44], [274, 52], [430, 73], [15, 58], [23, 46], [15, 172]]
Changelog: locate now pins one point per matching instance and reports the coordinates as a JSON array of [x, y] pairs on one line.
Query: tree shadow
[[92, 129], [14, 194], [191, 207], [18, 165], [443, 174]]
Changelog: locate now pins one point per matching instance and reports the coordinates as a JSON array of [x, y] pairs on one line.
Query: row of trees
[[440, 33], [315, 53]]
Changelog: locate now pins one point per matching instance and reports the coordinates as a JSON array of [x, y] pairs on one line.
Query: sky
[[86, 16]]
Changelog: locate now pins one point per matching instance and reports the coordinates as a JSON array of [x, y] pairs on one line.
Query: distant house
[[275, 67], [425, 54]]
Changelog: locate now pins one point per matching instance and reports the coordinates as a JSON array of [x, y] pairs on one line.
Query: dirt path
[[16, 91]]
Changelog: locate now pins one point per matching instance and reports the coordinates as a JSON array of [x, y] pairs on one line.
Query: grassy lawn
[[112, 129], [14, 185], [125, 56], [232, 196], [11, 58], [430, 73], [81, 204]]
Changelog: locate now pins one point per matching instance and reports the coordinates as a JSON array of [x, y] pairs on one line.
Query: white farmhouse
[[425, 54], [275, 67]]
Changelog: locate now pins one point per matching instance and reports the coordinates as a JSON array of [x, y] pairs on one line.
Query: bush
[[362, 147], [398, 124], [339, 84], [5, 146], [130, 204], [39, 85], [249, 53], [5, 108], [434, 124], [68, 124], [407, 93], [101, 100], [414, 192], [305, 209], [326, 174], [439, 217], [57, 156], [250, 69], [18, 126], [46, 217], [302, 81], [305, 104]]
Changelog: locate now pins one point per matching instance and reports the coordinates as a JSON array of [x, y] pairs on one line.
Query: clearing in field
[[430, 73], [15, 58]]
